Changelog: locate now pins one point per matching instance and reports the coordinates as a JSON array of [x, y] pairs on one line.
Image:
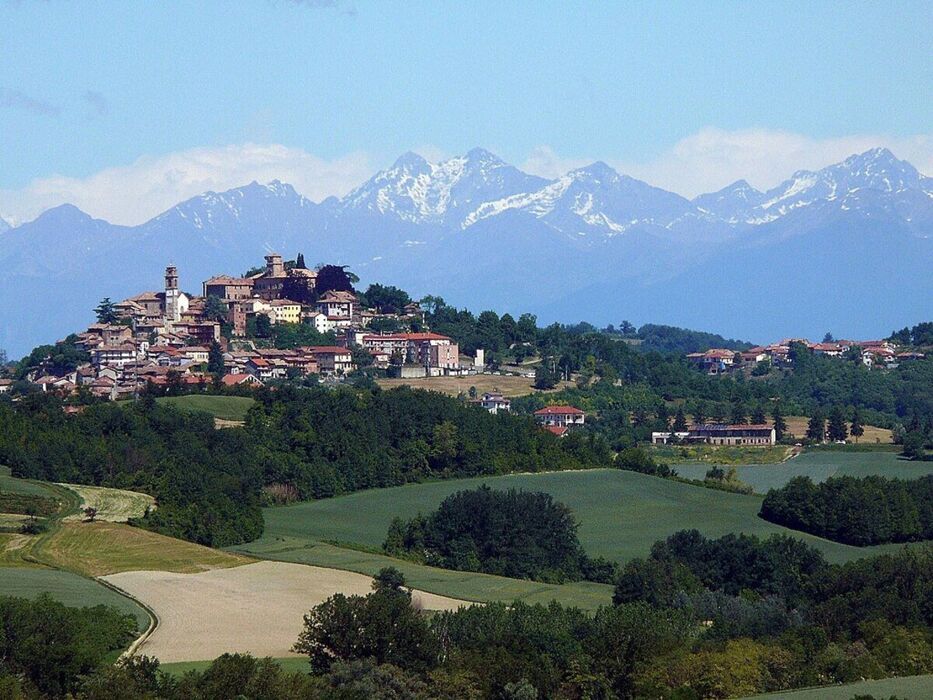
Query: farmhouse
[[560, 416], [714, 361], [721, 434], [494, 402]]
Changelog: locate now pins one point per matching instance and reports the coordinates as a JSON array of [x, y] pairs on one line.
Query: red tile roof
[[558, 430], [559, 411]]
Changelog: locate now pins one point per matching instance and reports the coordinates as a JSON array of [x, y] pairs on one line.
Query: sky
[[125, 108]]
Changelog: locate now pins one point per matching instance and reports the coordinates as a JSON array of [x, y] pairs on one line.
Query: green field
[[819, 465], [10, 484], [223, 407], [290, 664], [113, 505], [908, 688], [67, 588], [621, 514]]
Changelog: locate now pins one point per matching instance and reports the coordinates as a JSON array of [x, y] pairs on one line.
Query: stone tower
[[274, 265], [172, 304]]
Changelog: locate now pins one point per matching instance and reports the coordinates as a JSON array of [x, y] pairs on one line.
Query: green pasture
[[67, 588], [289, 664], [223, 407], [10, 484], [819, 465], [908, 688], [621, 514]]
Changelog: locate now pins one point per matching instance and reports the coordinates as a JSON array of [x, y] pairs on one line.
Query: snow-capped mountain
[[593, 244], [416, 191]]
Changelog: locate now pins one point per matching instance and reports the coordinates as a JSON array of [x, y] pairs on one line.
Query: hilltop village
[[171, 336]]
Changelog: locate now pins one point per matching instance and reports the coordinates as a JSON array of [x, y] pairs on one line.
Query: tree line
[[859, 511]]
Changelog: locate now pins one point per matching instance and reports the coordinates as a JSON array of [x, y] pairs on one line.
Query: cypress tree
[[816, 428], [856, 429], [780, 426], [837, 425]]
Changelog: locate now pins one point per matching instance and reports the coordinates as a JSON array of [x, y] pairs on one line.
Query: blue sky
[[172, 96]]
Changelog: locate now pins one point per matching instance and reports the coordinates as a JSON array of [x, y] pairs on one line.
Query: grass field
[[113, 505], [819, 465], [67, 588], [906, 688], [289, 664], [621, 514], [507, 385], [97, 549], [10, 484], [256, 608], [227, 408]]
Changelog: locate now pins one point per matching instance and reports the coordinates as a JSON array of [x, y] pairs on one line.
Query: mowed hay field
[[819, 465], [67, 588], [100, 548], [797, 426], [256, 608], [907, 688], [508, 385], [113, 505], [621, 515], [10, 484]]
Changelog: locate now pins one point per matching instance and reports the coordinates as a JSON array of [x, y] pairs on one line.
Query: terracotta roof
[[731, 426], [558, 430], [234, 379], [559, 411], [341, 296], [225, 279]]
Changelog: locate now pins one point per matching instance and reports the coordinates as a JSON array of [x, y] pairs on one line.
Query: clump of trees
[[520, 534], [859, 511]]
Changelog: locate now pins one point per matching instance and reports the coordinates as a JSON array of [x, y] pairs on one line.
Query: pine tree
[[699, 412], [215, 359], [105, 311], [758, 415], [780, 426], [300, 262], [738, 414], [664, 416], [837, 425], [816, 428], [680, 421], [856, 428]]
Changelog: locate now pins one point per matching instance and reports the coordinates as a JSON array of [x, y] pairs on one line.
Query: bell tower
[[172, 306]]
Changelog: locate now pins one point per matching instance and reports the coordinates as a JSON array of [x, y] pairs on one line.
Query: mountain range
[[846, 249]]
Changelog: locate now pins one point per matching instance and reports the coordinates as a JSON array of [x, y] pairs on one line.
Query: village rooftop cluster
[[165, 337]]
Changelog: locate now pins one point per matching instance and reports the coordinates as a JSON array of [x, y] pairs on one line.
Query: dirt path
[[255, 608]]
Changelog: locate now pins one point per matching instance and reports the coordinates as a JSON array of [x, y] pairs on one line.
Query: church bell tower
[[172, 306]]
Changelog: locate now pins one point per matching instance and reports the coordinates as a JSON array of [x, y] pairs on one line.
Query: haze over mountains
[[846, 249]]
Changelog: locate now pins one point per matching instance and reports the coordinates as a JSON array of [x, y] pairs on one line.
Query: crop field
[[113, 505], [819, 465], [256, 608], [797, 426], [67, 588], [227, 408], [906, 688], [508, 385], [621, 514], [96, 549]]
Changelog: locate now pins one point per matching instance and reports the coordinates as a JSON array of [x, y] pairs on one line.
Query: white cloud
[[713, 158], [135, 193]]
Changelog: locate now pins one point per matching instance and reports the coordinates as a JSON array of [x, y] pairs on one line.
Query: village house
[[285, 311], [118, 355], [228, 288], [332, 359], [494, 402], [338, 306], [560, 417], [713, 361], [5, 385], [240, 380]]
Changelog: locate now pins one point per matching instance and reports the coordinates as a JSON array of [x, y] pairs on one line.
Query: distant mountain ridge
[[845, 248]]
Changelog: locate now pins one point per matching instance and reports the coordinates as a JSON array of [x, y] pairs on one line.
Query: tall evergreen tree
[[758, 415], [816, 428], [300, 262], [837, 425], [105, 311], [680, 421], [215, 359], [738, 414], [856, 428], [699, 411], [780, 426]]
